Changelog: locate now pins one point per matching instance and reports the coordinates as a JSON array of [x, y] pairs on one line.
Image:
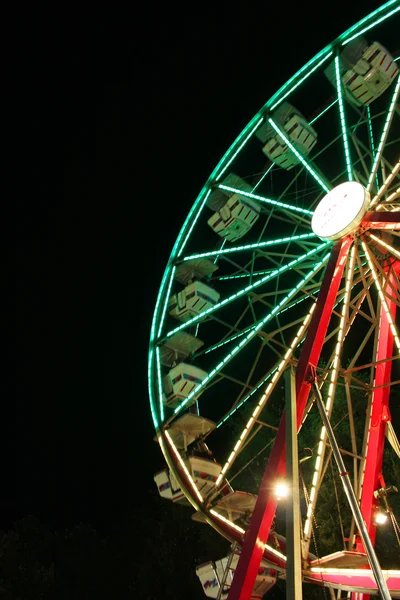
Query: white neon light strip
[[382, 297], [361, 572], [159, 383], [182, 464], [242, 531], [331, 392], [227, 521], [385, 245], [385, 185], [388, 200], [343, 120], [385, 132], [299, 156]]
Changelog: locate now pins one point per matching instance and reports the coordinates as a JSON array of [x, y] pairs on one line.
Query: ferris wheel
[[281, 291]]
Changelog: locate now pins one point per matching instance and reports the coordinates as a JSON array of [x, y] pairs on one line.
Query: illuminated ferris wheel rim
[[227, 528]]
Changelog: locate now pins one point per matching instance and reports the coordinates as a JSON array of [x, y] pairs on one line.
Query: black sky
[[152, 100]]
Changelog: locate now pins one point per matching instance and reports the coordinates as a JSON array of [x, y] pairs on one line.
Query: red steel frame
[[380, 415], [264, 510]]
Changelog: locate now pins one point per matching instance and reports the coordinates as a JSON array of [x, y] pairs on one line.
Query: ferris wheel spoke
[[385, 185], [274, 376], [250, 335], [372, 143], [246, 387], [367, 153], [269, 390], [379, 241], [342, 116], [255, 246], [384, 134], [365, 174], [391, 289], [382, 296], [239, 146], [319, 178], [334, 373], [382, 220], [276, 203], [323, 111], [248, 288]]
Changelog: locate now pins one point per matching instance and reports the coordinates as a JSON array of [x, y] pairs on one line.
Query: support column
[[352, 500], [293, 518], [379, 417]]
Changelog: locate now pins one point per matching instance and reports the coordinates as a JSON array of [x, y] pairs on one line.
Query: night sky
[[152, 101]]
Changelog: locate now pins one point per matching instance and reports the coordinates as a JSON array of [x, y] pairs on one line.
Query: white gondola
[[204, 473], [212, 574], [196, 268], [236, 505], [179, 347], [168, 487], [180, 382], [302, 135], [188, 428], [191, 301], [235, 214], [235, 218], [370, 76], [218, 197]]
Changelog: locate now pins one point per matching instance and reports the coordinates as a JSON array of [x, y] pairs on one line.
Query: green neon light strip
[[396, 59], [252, 246], [263, 177], [299, 156], [385, 132], [231, 339], [303, 78], [270, 374], [221, 248], [250, 335], [303, 211], [239, 149], [371, 139], [343, 120], [248, 288], [389, 14], [249, 395], [256, 273], [194, 223], [160, 387], [371, 15], [234, 337], [322, 112], [176, 251], [149, 377], [166, 283], [171, 278]]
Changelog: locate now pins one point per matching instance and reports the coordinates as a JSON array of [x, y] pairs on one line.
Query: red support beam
[[380, 415], [381, 220], [264, 511]]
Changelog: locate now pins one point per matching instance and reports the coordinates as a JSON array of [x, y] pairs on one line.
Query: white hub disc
[[341, 211]]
